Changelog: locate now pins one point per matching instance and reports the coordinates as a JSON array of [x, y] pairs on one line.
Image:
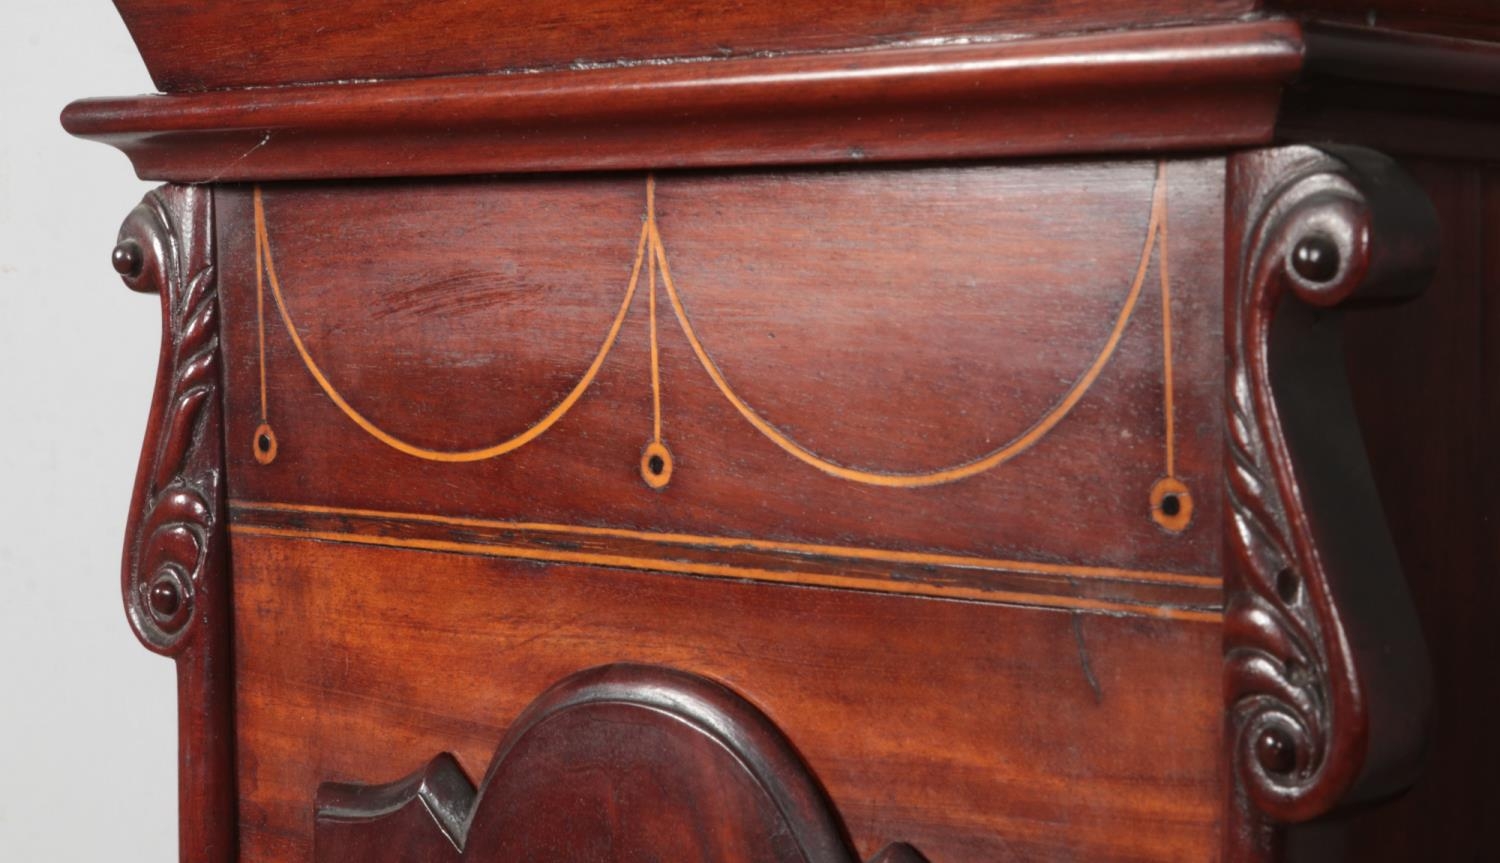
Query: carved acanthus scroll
[[1325, 672], [175, 575]]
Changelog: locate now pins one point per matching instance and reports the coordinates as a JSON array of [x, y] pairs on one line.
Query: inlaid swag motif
[[1170, 499]]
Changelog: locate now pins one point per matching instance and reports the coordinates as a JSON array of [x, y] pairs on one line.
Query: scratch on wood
[[1083, 661], [264, 140]]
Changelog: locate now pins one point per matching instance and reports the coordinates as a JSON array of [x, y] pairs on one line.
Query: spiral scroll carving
[[1296, 696], [175, 575], [174, 527]]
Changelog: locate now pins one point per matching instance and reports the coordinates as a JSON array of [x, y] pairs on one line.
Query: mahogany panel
[[619, 762], [1425, 381], [1472, 19], [1326, 679], [941, 379], [974, 732], [175, 576], [193, 45], [1168, 89], [1405, 93]]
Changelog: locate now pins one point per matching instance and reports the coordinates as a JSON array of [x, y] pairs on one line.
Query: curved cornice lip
[[1168, 89]]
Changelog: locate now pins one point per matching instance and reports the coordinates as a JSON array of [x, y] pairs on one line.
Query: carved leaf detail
[[1302, 520], [175, 518]]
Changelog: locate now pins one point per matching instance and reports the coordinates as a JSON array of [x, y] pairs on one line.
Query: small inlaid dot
[[656, 465], [263, 444]]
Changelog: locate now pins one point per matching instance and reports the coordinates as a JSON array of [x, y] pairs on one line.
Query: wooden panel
[[1472, 19], [1404, 93], [973, 732], [1425, 380], [688, 769], [922, 462], [953, 383], [192, 45]]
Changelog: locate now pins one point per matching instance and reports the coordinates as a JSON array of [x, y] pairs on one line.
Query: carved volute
[[175, 572], [1325, 671]]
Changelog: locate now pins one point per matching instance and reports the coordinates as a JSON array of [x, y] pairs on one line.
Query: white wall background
[[87, 716]]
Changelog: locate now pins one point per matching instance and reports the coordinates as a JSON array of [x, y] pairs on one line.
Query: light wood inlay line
[[1165, 274], [1038, 430], [656, 462], [739, 572], [263, 249], [916, 558]]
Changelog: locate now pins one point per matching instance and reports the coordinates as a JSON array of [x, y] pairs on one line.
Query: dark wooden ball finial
[[1275, 752], [1316, 258], [165, 599], [126, 258]]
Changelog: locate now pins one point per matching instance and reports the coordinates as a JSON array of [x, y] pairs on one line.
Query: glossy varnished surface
[[232, 43], [937, 397], [1165, 89], [972, 732], [1426, 385], [610, 763], [947, 366], [925, 460]]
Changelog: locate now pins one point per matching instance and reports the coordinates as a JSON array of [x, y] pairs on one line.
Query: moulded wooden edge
[[1401, 92], [435, 812], [1385, 56], [197, 46], [1153, 90]]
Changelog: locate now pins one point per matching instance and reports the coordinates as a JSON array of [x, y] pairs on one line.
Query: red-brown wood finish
[[175, 578], [1424, 380], [449, 316], [1169, 89], [767, 362], [191, 45], [969, 731], [1471, 19], [1406, 93], [1325, 670], [608, 764], [922, 305]]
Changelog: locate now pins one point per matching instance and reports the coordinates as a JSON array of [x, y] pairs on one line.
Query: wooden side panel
[[175, 574], [191, 45], [922, 462], [1470, 19], [1425, 380], [972, 732], [963, 363], [618, 762]]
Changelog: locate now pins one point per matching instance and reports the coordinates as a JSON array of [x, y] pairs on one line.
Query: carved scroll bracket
[[1325, 671], [175, 574]]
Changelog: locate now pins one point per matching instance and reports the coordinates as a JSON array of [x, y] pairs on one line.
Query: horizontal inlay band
[[1106, 590]]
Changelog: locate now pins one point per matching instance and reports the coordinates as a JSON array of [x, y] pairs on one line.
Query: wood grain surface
[[1170, 89], [972, 732], [946, 655], [235, 43], [617, 762], [1418, 370], [890, 324]]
